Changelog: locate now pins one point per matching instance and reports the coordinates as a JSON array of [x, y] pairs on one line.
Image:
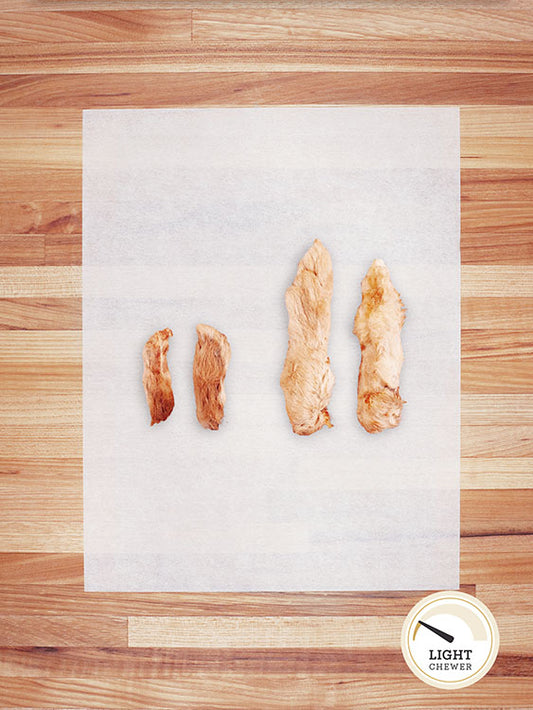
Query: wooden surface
[[61, 647]]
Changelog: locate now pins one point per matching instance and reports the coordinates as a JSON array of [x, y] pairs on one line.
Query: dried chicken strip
[[377, 324], [211, 359], [307, 379], [156, 377]]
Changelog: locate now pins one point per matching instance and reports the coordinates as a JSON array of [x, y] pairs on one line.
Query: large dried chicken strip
[[211, 359], [307, 379], [156, 378], [377, 324]]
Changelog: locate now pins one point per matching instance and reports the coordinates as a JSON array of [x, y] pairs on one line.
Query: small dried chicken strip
[[211, 359], [307, 379], [377, 324], [156, 377]]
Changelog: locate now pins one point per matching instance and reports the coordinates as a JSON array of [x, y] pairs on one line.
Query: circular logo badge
[[450, 640]]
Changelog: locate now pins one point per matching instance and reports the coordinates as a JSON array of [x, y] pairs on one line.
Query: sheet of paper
[[201, 216]]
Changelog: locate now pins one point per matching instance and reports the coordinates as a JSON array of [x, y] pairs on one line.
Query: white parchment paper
[[201, 215]]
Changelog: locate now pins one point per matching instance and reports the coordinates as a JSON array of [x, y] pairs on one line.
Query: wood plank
[[499, 559], [34, 630], [164, 55], [262, 88], [494, 473], [22, 250], [250, 691], [499, 220], [478, 124], [263, 632], [55, 439], [28, 568], [507, 599], [481, 184], [62, 249], [40, 314], [497, 280], [31, 183], [32, 349], [504, 248], [505, 345], [56, 409], [67, 599], [397, 22], [39, 217], [496, 409], [45, 535], [497, 441], [510, 313], [496, 376], [40, 281], [71, 662], [80, 5], [493, 513], [84, 26]]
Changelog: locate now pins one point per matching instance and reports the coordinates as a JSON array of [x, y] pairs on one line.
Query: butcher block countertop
[[63, 648]]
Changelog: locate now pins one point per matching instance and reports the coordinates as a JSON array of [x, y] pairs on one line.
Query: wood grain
[[169, 54], [62, 647], [363, 23], [259, 691], [145, 90]]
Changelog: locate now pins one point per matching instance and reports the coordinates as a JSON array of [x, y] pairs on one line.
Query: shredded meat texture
[[156, 377], [378, 322], [210, 365], [307, 380]]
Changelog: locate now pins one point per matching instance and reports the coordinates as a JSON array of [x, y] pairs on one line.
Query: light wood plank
[[55, 439], [32, 349], [249, 691], [496, 409], [396, 22], [494, 473], [43, 536], [492, 122], [263, 632], [496, 280], [40, 313], [42, 27], [497, 441], [262, 88], [40, 281]]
